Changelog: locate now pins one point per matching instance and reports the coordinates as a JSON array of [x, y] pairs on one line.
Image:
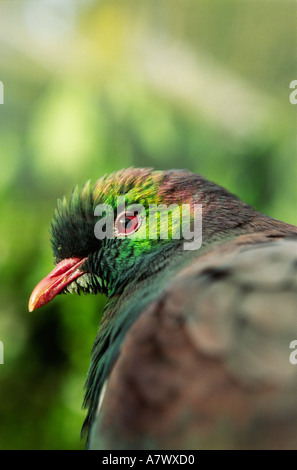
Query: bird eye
[[127, 223]]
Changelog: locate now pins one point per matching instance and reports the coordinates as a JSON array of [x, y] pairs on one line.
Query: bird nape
[[193, 350]]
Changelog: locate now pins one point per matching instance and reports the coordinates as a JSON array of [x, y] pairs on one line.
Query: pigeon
[[196, 348]]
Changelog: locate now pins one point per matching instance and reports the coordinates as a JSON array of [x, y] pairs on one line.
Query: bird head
[[102, 232], [110, 230]]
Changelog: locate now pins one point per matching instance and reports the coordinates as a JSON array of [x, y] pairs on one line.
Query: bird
[[194, 348]]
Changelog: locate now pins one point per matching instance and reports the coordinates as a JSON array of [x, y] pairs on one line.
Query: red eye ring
[[127, 222]]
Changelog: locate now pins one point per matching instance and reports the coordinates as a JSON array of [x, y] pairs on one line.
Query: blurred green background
[[94, 86]]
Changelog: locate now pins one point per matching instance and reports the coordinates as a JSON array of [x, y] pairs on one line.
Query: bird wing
[[207, 365]]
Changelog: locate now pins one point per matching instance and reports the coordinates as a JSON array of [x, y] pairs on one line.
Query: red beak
[[64, 273]]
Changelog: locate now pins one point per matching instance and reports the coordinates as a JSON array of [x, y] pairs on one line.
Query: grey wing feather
[[244, 308], [207, 365]]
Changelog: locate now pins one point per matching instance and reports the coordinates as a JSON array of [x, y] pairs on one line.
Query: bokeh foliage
[[95, 86]]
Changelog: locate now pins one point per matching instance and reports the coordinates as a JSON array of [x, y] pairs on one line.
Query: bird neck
[[126, 300]]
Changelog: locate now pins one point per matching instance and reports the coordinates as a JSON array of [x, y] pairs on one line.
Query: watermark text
[[1, 93], [293, 355], [1, 353], [157, 222], [293, 94]]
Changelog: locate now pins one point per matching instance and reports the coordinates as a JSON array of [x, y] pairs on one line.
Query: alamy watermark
[[1, 93], [1, 353], [293, 355], [158, 222], [293, 94]]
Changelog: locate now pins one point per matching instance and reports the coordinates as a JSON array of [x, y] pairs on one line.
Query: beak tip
[[31, 305], [35, 300]]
